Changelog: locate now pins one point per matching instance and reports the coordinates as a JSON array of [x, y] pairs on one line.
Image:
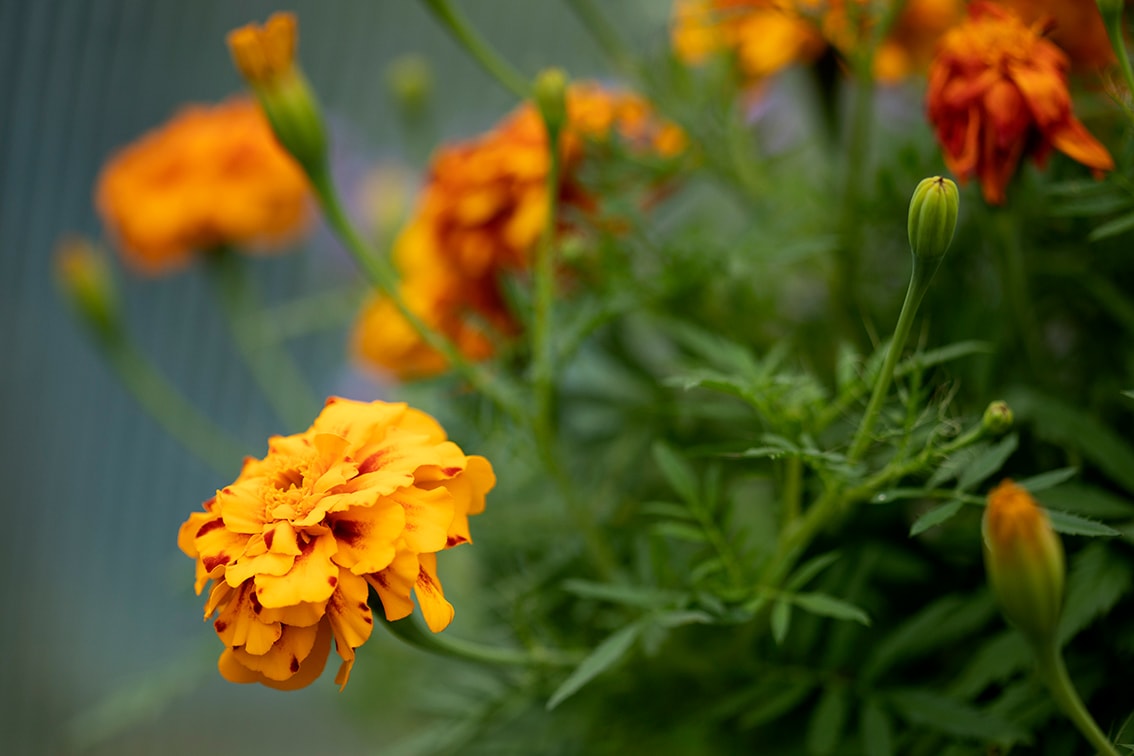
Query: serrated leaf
[[810, 569], [1119, 225], [1096, 582], [952, 717], [1047, 480], [630, 595], [947, 353], [1088, 501], [877, 730], [680, 531], [829, 719], [953, 465], [606, 654], [935, 517], [668, 509], [1069, 524], [780, 621], [829, 606], [987, 463], [677, 471]]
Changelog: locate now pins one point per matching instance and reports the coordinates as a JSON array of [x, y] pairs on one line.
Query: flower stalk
[[480, 50], [409, 631]]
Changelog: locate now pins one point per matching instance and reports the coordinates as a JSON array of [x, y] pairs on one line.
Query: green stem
[[172, 411], [605, 35], [271, 366], [1054, 674], [922, 274], [410, 631], [381, 274], [543, 358], [482, 52], [1113, 24], [793, 489]]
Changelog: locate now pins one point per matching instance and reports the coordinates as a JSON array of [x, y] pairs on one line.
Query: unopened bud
[[1024, 560], [933, 217], [997, 418], [265, 56], [88, 285], [410, 80], [550, 95]]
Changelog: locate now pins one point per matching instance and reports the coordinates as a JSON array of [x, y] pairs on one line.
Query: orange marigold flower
[[1077, 27], [769, 35], [212, 176], [479, 216], [367, 496], [997, 90]]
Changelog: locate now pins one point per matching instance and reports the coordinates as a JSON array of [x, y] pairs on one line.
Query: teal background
[[101, 647]]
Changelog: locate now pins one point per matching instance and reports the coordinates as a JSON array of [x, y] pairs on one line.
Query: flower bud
[[410, 80], [933, 217], [265, 56], [1024, 560], [997, 418], [88, 285], [550, 95]]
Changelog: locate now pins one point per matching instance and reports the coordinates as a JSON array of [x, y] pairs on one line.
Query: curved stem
[[382, 275], [172, 411], [605, 34], [1054, 674], [271, 366], [923, 271], [410, 631], [543, 366], [482, 52]]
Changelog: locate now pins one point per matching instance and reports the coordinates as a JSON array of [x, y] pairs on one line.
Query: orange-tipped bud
[[1024, 559], [265, 56], [88, 286]]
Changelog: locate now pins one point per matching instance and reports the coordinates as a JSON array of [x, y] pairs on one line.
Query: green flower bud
[[1024, 560], [550, 95], [88, 285], [410, 79], [997, 418], [933, 217]]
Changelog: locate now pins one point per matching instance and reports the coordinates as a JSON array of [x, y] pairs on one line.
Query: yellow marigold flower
[[365, 497], [480, 215], [212, 176], [998, 90], [769, 35], [1024, 559], [1077, 27]]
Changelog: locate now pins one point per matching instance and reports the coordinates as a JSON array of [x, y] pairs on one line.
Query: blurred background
[[103, 650]]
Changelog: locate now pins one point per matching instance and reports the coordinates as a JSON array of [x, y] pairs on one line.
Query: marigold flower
[[1077, 27], [1024, 559], [479, 216], [213, 176], [367, 496], [769, 35], [997, 89]]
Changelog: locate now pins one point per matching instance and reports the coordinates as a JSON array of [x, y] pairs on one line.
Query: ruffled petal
[[312, 577], [366, 536]]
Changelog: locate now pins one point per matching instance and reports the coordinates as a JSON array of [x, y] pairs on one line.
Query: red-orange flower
[[998, 91], [212, 176], [481, 213], [1077, 27], [366, 497]]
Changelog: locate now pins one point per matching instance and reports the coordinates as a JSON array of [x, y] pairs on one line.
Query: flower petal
[[437, 611], [312, 577], [366, 535]]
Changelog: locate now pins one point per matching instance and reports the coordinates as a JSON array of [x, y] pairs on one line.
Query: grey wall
[[101, 645]]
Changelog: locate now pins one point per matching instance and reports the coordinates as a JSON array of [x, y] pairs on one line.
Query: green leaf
[[941, 355], [677, 471], [952, 717], [987, 463], [995, 661], [1097, 580], [935, 517], [606, 654], [629, 595], [810, 569], [1069, 426], [1047, 480], [776, 699], [1069, 524], [668, 509], [1111, 228], [828, 721], [780, 620], [1088, 501], [678, 618], [877, 730], [829, 606], [680, 531]]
